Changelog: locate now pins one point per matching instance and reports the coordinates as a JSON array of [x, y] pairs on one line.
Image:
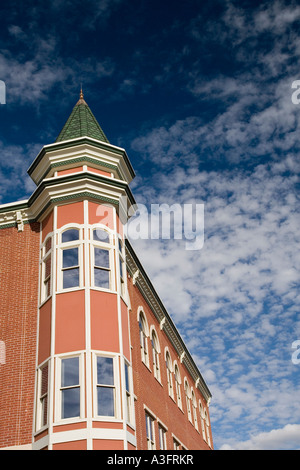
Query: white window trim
[[68, 245], [187, 392], [43, 256], [164, 428], [178, 385], [109, 246], [169, 373], [117, 387], [39, 407], [145, 332], [151, 444], [57, 411], [156, 366]]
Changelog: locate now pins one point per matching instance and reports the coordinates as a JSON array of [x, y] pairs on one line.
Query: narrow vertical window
[[162, 437], [128, 394], [207, 428], [188, 401], [177, 386], [105, 386], [194, 404], [46, 269], [101, 268], [70, 388], [70, 258], [202, 420], [150, 432], [155, 356], [102, 262], [143, 339], [169, 375], [176, 444], [121, 268], [42, 405]]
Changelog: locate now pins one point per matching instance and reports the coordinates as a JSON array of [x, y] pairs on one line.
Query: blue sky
[[199, 94]]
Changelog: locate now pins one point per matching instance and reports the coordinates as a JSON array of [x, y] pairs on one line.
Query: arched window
[[177, 386], [207, 427], [46, 268], [155, 355], [194, 404], [169, 374], [188, 399], [143, 338], [202, 420]]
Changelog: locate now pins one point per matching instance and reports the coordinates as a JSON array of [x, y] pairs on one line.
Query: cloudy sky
[[200, 95]]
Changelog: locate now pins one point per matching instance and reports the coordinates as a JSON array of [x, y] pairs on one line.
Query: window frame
[[169, 370], [45, 256], [177, 379], [107, 246], [63, 246], [162, 436], [150, 430], [143, 335], [58, 404], [41, 398], [155, 346], [115, 386], [187, 391]]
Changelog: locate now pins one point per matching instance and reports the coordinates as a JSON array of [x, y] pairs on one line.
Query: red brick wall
[[19, 270], [151, 393]]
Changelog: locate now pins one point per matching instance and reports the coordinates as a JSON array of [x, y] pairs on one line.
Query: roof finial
[[81, 93]]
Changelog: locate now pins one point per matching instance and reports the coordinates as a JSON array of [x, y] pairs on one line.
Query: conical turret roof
[[81, 123]]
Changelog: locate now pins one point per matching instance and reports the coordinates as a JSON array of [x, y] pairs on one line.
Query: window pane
[[105, 370], [70, 235], [70, 258], [70, 371], [101, 235], [101, 258], [70, 405], [106, 401], [101, 278], [44, 414], [71, 278], [127, 377], [44, 381]]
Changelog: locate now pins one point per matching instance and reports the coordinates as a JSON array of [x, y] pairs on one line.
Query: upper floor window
[[129, 407], [188, 400], [155, 355], [102, 259], [177, 386], [46, 269], [202, 420], [121, 267], [70, 258], [143, 339], [169, 375], [206, 419], [194, 404]]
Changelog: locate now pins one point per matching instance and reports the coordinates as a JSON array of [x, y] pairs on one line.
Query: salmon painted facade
[[90, 358]]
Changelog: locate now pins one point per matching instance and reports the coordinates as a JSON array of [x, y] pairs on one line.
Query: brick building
[[89, 356]]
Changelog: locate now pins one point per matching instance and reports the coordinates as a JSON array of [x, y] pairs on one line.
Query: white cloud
[[285, 438]]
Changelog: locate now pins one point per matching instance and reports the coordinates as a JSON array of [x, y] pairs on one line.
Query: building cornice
[[142, 281]]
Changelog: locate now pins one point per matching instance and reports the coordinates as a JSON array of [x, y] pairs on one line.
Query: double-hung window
[[177, 386], [46, 269], [70, 387], [106, 393], [155, 356], [143, 339], [128, 393], [150, 431], [121, 268], [42, 402], [162, 437], [169, 375], [194, 404], [102, 259], [70, 264], [188, 400]]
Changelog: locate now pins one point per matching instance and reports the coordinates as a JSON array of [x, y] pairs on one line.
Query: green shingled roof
[[81, 123]]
